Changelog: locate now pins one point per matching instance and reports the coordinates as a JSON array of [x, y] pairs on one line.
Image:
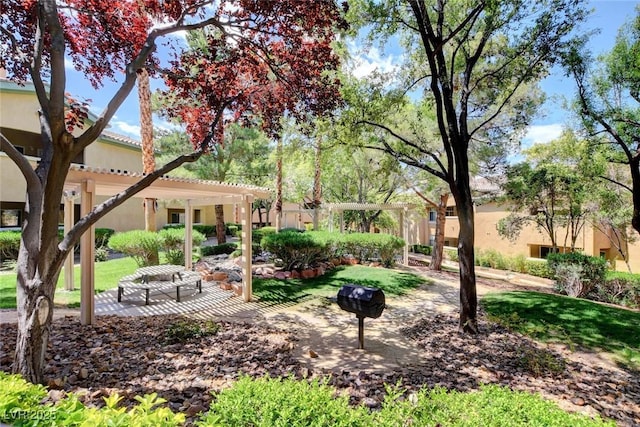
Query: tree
[[148, 154], [608, 102], [368, 177], [274, 57], [472, 59], [241, 157]]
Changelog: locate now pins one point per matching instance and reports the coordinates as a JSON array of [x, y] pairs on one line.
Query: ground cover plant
[[288, 402], [571, 321], [107, 275], [391, 282]]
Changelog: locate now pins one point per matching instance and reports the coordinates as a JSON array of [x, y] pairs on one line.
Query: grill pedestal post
[[360, 332]]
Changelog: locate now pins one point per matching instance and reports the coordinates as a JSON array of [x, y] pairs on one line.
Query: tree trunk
[[279, 185], [220, 228], [466, 257], [317, 189], [438, 244], [35, 313]]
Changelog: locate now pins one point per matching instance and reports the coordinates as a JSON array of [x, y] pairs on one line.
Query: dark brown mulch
[[128, 355]]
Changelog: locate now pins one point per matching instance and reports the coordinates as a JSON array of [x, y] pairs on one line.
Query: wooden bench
[[140, 282]]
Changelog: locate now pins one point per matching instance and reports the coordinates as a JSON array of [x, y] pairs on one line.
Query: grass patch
[[107, 275], [571, 321], [292, 290]]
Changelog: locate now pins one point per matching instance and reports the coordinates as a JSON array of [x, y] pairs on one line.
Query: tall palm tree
[[148, 155]]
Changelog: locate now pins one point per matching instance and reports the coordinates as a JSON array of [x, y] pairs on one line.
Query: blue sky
[[608, 16]]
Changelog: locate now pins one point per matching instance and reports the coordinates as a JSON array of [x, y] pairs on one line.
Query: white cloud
[[366, 62], [540, 134], [126, 128], [68, 64]]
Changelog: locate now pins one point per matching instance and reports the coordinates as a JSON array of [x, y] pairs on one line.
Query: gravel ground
[[127, 355]]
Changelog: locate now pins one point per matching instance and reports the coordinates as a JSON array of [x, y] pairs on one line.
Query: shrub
[[517, 263], [618, 288], [422, 249], [576, 274], [451, 254], [491, 258], [282, 402], [538, 268], [172, 241], [207, 230], [20, 404], [295, 250], [102, 236], [142, 246], [223, 248], [9, 244], [185, 330], [368, 246], [256, 238], [101, 254], [230, 229]]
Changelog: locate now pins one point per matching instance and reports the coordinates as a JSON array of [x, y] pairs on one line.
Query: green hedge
[[422, 249], [295, 250], [368, 246], [298, 249], [207, 230], [223, 248]]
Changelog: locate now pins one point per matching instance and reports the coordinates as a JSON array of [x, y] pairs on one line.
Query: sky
[[607, 17]]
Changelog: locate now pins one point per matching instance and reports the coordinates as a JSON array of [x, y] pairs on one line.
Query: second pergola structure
[[401, 208], [87, 183]]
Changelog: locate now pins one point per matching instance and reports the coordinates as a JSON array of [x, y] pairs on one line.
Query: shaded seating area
[[160, 278]]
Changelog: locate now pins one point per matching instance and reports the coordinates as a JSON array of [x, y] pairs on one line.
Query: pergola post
[[405, 235], [330, 220], [68, 262], [247, 279], [342, 221], [188, 235], [87, 256]]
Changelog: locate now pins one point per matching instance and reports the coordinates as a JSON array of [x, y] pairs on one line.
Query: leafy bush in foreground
[[287, 402], [20, 405]]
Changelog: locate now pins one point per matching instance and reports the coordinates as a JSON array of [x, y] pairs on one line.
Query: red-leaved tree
[[264, 59]]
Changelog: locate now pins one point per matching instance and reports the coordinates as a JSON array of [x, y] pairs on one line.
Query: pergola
[[87, 183], [401, 208]]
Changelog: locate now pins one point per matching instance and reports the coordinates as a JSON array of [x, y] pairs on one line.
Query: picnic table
[[160, 278]]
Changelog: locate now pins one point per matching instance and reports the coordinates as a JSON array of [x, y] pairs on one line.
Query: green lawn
[[390, 281], [107, 275], [572, 321]]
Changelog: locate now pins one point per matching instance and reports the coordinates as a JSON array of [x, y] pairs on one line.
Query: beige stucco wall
[[23, 108], [112, 156], [590, 240]]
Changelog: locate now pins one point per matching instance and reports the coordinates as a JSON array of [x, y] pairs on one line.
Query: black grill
[[363, 302]]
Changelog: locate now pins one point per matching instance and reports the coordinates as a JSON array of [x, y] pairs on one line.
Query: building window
[[452, 211], [196, 216], [175, 216], [11, 218], [432, 215]]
